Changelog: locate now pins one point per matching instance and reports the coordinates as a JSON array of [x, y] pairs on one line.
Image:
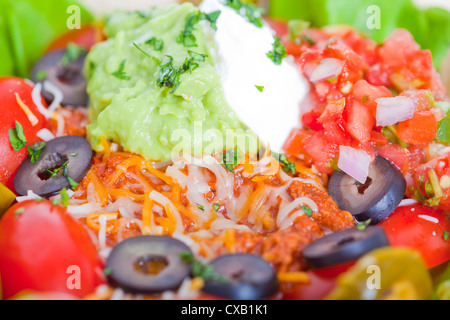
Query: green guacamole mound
[[128, 106]]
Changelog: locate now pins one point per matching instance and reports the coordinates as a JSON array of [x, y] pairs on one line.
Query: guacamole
[[131, 100]]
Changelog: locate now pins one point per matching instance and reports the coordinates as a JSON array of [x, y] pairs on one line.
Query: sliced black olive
[[376, 199], [343, 246], [247, 277], [63, 160], [148, 264], [67, 75]]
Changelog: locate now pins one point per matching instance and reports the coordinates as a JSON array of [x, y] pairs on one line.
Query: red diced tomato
[[321, 151], [421, 128], [398, 47], [396, 154], [296, 141], [309, 119], [367, 94], [332, 111], [360, 121]]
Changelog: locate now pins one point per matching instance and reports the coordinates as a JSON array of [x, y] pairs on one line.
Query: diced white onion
[[326, 69], [394, 109], [354, 162]]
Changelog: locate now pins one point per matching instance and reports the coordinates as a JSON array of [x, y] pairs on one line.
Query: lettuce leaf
[[430, 27], [27, 27]]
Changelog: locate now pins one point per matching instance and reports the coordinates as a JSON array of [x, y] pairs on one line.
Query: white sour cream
[[239, 49]]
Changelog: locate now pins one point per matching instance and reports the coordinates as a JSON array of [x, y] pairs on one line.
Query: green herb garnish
[[72, 53], [260, 88], [170, 77], [252, 12], [308, 211], [278, 52], [120, 74], [35, 150], [231, 158], [158, 44], [64, 198], [200, 206], [19, 211], [41, 75], [53, 172], [286, 164], [216, 207], [363, 224], [17, 137], [445, 235], [199, 269], [187, 37]]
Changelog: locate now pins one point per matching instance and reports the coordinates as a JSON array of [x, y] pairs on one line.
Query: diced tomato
[[332, 111], [296, 141], [398, 47], [424, 99], [321, 151], [421, 128], [367, 94], [343, 51], [360, 121], [377, 139], [396, 154], [309, 119]]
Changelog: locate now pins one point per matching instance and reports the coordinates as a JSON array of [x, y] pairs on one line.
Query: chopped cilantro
[[17, 137], [170, 77], [445, 235], [35, 150], [72, 53], [231, 158], [363, 224], [120, 74], [200, 207], [64, 198], [260, 88], [53, 172], [278, 51], [287, 165], [308, 211], [252, 12], [158, 44], [199, 269], [187, 37], [216, 207], [41, 75], [19, 211]]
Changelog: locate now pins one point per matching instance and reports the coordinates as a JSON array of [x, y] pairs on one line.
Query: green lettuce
[[430, 27], [26, 29]]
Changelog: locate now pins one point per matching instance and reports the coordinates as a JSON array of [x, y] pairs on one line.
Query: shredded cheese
[[31, 116]]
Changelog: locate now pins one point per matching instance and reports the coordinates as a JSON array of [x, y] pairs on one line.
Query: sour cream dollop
[[265, 96]]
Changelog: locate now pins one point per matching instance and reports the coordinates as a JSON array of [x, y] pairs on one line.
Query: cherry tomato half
[[44, 249], [16, 104], [85, 37], [421, 228]]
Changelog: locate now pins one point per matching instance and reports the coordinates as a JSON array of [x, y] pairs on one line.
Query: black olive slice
[[343, 246], [148, 264], [376, 199], [68, 77], [62, 159], [247, 277]]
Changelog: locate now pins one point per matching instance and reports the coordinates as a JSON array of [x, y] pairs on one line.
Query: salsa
[[384, 99]]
